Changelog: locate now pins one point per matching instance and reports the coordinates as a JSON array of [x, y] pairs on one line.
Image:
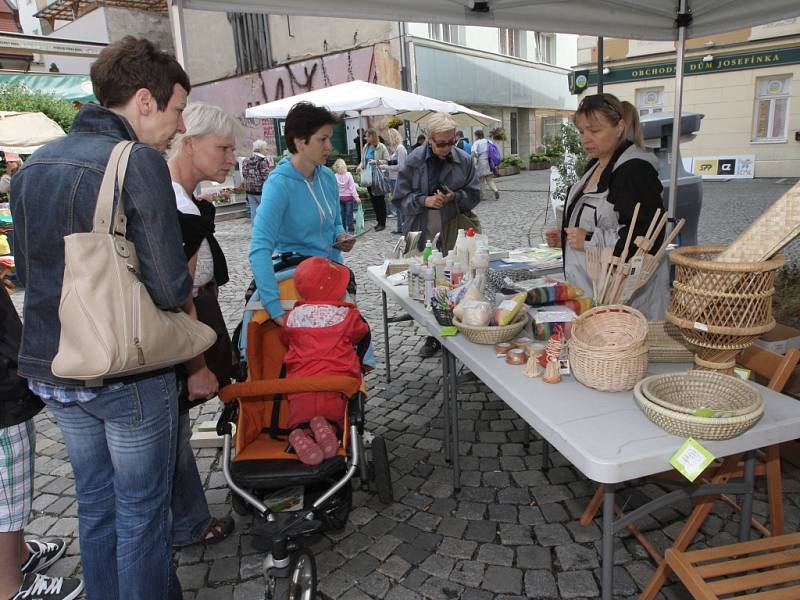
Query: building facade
[[746, 83]]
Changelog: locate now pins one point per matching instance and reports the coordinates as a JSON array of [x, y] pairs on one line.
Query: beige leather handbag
[[110, 326]]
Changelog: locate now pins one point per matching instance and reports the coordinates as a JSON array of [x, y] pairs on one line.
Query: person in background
[[376, 155], [599, 207], [420, 142], [255, 170], [360, 142], [21, 561], [348, 194], [396, 163], [463, 143], [299, 210], [480, 150], [120, 436], [13, 163], [204, 152], [436, 192]]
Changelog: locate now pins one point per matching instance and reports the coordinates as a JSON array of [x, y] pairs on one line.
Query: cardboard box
[[780, 339]]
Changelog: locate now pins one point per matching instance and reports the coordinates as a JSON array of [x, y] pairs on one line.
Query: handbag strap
[[106, 219]]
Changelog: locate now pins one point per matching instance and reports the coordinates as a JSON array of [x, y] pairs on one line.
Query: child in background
[[348, 194], [321, 332]]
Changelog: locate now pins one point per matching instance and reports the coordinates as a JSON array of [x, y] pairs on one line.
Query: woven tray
[[610, 327], [688, 392], [667, 344], [684, 425], [493, 335]]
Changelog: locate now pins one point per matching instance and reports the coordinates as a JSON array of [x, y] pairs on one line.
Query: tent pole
[[179, 31], [359, 135], [682, 21], [600, 64]]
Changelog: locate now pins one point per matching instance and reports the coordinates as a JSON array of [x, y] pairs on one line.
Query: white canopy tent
[[26, 132], [628, 19]]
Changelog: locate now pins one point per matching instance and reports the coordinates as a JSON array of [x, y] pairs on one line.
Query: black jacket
[[17, 402]]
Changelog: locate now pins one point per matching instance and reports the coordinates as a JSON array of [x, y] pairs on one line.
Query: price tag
[[691, 459], [701, 326], [448, 330]]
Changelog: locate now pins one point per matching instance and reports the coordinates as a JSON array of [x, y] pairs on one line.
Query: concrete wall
[[91, 28], [210, 53], [138, 23], [728, 101]]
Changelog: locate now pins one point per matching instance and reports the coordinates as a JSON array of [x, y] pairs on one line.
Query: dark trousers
[[347, 215], [379, 205]]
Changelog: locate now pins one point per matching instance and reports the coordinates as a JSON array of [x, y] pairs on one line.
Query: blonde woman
[[397, 161], [375, 154], [348, 194]]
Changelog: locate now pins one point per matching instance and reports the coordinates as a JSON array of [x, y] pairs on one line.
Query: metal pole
[[682, 21], [179, 31], [747, 502], [600, 67], [454, 418], [607, 544], [387, 358], [448, 448]]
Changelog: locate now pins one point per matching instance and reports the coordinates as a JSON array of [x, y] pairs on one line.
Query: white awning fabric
[[25, 132]]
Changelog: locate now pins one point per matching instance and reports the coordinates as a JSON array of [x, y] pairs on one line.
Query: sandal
[[217, 530], [306, 449], [325, 436]]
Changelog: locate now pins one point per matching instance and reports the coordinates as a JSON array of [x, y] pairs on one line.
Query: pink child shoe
[[325, 436], [307, 450]]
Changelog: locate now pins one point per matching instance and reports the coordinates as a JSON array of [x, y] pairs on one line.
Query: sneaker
[[497, 195], [42, 554], [430, 347], [379, 227], [42, 587]]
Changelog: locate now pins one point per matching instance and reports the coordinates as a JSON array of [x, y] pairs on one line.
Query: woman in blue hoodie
[[299, 209]]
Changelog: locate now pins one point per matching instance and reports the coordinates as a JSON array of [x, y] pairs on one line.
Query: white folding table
[[604, 435]]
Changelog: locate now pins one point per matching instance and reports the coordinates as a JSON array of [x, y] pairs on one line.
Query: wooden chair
[[714, 573]]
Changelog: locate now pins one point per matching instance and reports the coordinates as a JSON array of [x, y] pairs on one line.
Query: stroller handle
[[263, 387]]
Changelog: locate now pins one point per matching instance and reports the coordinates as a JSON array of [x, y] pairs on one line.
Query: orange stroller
[[264, 461]]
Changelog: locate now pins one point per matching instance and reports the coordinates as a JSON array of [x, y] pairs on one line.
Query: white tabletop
[[603, 434]]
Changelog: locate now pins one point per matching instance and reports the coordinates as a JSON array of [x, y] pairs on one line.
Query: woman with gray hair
[[255, 170], [205, 152], [437, 190]]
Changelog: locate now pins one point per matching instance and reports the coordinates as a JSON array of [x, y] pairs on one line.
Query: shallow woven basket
[[703, 388], [615, 325], [666, 343], [493, 335], [613, 370]]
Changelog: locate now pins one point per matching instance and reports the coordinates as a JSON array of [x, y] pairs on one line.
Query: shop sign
[[724, 167], [696, 66]]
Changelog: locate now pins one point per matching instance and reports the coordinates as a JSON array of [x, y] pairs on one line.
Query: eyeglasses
[[446, 144], [597, 101]]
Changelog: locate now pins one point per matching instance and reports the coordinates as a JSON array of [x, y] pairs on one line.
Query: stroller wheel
[[240, 506], [380, 470], [302, 576]]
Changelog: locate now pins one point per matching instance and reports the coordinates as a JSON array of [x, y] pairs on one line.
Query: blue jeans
[[122, 448], [253, 200], [347, 215], [190, 516]]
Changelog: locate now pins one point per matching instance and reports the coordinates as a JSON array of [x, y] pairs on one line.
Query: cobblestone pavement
[[512, 532]]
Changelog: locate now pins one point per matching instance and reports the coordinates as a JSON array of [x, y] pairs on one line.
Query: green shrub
[[498, 133], [539, 157], [16, 97], [512, 160]]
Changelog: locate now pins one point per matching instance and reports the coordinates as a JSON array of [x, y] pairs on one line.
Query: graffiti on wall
[[237, 94]]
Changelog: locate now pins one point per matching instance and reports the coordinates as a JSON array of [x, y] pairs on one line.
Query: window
[[650, 100], [513, 42], [452, 34], [250, 41], [771, 109], [546, 47]]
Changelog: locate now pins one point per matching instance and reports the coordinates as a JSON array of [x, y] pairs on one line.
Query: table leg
[[607, 556], [747, 503], [454, 419], [386, 337], [446, 422]]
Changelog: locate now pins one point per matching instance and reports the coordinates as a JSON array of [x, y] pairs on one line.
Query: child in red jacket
[[321, 332]]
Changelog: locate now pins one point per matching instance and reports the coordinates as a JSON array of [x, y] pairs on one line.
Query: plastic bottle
[[480, 262], [456, 273], [413, 270], [426, 254], [437, 262], [471, 246], [459, 248], [448, 267], [428, 285]]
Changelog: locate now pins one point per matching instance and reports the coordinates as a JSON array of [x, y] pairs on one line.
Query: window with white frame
[[453, 34], [513, 42], [650, 100], [546, 47], [771, 112]]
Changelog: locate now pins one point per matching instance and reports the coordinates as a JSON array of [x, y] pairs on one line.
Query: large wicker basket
[[493, 335], [692, 391], [721, 308], [608, 348]]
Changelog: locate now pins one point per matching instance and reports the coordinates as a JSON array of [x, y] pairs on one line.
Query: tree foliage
[[16, 97], [574, 162]]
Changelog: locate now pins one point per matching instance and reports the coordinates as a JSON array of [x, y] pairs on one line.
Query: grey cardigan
[[459, 175]]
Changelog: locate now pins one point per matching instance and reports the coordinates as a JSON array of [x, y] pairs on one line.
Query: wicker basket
[[614, 325], [721, 307], [666, 343], [706, 428], [688, 392], [493, 335]]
